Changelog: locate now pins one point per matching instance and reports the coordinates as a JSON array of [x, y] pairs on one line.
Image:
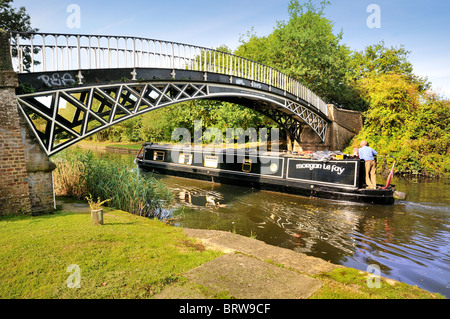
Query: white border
[[323, 183], [225, 170]]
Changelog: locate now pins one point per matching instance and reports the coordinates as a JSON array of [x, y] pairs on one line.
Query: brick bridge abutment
[[26, 183]]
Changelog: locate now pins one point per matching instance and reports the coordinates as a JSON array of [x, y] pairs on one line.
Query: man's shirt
[[367, 153]]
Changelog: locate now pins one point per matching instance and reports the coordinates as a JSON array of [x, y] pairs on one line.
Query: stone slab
[[245, 277], [229, 242]]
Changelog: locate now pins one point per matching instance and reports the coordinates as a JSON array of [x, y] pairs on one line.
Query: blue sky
[[422, 26]]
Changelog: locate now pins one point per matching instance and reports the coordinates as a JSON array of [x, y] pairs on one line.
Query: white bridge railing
[[42, 52]]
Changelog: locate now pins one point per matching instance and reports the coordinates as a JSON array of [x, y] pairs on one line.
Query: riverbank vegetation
[[349, 283], [408, 123], [80, 174]]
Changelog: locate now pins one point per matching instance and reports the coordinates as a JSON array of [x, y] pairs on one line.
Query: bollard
[[97, 216]]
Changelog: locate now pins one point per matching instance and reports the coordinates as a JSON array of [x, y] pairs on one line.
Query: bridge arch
[[99, 106]]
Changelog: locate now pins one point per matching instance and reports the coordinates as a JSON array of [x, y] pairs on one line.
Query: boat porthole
[[274, 167]]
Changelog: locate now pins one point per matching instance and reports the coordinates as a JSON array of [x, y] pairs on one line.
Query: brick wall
[[39, 169], [344, 126], [14, 190], [26, 183]]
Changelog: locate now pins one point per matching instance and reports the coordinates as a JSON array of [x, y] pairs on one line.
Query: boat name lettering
[[328, 167], [309, 166]]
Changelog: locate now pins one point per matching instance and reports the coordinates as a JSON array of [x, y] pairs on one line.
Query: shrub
[[81, 174], [411, 125]]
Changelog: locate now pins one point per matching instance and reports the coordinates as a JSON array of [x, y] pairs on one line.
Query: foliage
[[158, 125], [376, 60], [96, 205], [80, 175], [407, 123], [306, 49], [401, 117], [12, 19]]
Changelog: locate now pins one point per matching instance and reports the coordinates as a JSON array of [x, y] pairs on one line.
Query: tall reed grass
[[79, 175]]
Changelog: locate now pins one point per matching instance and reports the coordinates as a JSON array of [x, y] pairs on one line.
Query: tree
[[158, 125], [12, 19], [407, 123], [378, 59], [306, 49]]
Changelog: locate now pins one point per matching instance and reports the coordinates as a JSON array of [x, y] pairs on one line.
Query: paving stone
[[245, 277]]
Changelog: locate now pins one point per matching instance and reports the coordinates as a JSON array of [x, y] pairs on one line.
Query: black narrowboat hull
[[293, 175]]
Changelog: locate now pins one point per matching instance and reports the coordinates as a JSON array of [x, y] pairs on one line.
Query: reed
[[80, 175]]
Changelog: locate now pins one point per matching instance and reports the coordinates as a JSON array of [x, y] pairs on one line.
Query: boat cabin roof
[[218, 150]]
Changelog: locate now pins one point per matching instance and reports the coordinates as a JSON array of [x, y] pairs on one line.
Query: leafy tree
[[378, 59], [306, 49], [258, 49], [12, 19], [407, 123], [158, 125]]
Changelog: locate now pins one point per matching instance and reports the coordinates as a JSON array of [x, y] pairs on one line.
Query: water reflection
[[198, 198], [408, 240]]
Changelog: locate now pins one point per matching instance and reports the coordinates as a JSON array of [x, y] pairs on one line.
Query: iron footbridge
[[73, 86]]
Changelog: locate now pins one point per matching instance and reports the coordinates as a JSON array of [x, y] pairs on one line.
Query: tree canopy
[[304, 48], [408, 123], [12, 19]]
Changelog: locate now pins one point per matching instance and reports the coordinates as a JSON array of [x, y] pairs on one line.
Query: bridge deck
[[64, 52]]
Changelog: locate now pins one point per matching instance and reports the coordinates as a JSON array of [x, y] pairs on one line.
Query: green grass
[[127, 146], [127, 257], [130, 145], [132, 257], [349, 283]]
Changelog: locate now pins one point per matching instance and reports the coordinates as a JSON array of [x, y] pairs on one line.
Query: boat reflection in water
[[192, 198], [301, 224]]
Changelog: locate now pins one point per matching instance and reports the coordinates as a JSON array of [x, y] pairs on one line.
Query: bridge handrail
[[97, 51]]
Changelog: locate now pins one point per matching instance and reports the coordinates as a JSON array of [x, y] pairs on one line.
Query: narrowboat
[[336, 177]]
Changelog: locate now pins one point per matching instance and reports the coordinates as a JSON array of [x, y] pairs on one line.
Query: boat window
[[159, 156], [185, 159], [211, 161], [247, 165]]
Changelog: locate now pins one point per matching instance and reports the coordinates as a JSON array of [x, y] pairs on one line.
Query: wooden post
[[97, 216]]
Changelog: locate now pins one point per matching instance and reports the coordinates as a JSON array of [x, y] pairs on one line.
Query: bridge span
[[109, 79]]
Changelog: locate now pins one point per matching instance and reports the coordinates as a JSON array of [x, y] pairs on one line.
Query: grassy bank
[[128, 257], [104, 144], [349, 283], [137, 146]]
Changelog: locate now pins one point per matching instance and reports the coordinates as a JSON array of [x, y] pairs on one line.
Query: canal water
[[408, 241]]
